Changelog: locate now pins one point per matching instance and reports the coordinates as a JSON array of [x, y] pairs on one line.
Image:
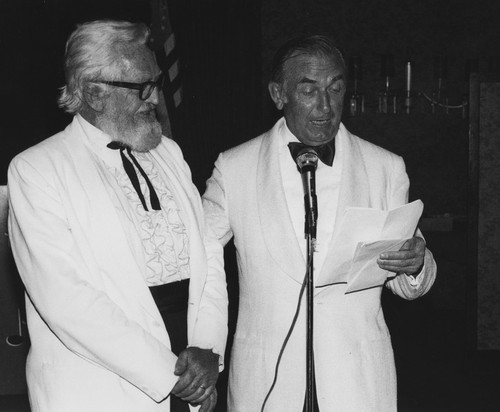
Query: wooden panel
[[484, 213], [488, 276]]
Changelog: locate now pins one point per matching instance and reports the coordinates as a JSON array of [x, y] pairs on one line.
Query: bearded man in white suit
[[125, 286], [255, 195]]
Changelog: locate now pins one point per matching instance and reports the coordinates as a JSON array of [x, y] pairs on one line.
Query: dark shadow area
[[437, 369]]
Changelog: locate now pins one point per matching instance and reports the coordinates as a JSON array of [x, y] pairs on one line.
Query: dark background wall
[[225, 48]]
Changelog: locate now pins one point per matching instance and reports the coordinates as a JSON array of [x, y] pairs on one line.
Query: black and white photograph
[[250, 206]]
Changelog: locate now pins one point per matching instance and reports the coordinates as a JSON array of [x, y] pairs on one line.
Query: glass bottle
[[386, 97], [356, 99]]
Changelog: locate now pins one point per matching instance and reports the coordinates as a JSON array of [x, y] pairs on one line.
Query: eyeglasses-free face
[[145, 89]]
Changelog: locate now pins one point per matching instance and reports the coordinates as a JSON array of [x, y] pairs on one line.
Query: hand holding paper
[[409, 259], [363, 235], [365, 273]]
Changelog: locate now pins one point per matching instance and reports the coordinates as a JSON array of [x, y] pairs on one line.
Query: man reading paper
[[255, 195]]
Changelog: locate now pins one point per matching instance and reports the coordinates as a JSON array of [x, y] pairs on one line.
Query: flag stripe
[[168, 57], [169, 45], [173, 71], [178, 97]]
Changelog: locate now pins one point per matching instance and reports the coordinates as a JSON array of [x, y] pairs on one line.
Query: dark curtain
[[219, 45], [220, 52]]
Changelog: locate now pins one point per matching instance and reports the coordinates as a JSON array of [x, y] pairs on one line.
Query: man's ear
[[94, 96], [276, 90]]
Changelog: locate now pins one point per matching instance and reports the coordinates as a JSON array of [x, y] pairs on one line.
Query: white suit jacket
[[98, 340], [353, 354]]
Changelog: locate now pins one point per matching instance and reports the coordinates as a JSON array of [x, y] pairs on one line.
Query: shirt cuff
[[416, 279], [221, 363]]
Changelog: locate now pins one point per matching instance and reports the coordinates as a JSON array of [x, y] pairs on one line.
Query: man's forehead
[[136, 60], [299, 66]]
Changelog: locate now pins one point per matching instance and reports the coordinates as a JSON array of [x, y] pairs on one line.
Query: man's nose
[[155, 97], [324, 102]]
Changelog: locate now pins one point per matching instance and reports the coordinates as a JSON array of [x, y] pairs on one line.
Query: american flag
[[163, 43]]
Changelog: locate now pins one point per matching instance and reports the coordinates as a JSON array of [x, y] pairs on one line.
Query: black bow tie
[[129, 169], [326, 151]]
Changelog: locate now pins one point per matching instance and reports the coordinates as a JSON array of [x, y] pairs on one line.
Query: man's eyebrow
[[306, 80], [311, 81]]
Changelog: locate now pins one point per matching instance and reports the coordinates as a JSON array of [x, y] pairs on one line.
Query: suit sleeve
[[215, 203], [402, 285], [210, 326], [211, 329], [68, 293]]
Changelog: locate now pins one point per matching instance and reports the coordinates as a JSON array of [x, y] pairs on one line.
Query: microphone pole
[[307, 162]]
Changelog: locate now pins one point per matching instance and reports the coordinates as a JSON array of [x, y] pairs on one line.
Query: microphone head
[[307, 160]]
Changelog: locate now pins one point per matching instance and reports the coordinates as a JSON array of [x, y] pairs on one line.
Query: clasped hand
[[198, 370], [409, 259]]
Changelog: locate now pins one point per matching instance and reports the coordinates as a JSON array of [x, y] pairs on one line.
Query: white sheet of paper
[[365, 272], [402, 222], [365, 225]]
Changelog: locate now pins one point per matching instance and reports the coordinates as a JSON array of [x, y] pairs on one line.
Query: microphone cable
[[289, 333]]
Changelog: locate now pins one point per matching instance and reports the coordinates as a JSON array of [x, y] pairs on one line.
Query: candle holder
[[408, 102], [408, 99], [439, 97]]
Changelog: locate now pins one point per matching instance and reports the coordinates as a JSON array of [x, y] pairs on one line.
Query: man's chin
[[323, 136], [150, 137]]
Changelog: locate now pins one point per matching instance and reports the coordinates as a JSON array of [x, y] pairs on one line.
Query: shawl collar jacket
[[98, 340], [353, 354]]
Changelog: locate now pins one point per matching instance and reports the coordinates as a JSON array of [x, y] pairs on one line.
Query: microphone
[[307, 162]]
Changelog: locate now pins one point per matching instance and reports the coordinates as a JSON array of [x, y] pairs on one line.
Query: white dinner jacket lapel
[[275, 220], [104, 222], [354, 184], [179, 188], [354, 187]]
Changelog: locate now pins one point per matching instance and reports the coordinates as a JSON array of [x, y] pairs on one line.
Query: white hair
[[90, 53]]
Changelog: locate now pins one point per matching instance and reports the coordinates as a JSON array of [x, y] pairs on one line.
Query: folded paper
[[363, 234]]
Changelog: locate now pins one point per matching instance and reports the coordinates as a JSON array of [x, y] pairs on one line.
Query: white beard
[[140, 131]]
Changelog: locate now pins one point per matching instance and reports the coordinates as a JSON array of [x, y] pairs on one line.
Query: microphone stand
[[311, 383], [307, 167]]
